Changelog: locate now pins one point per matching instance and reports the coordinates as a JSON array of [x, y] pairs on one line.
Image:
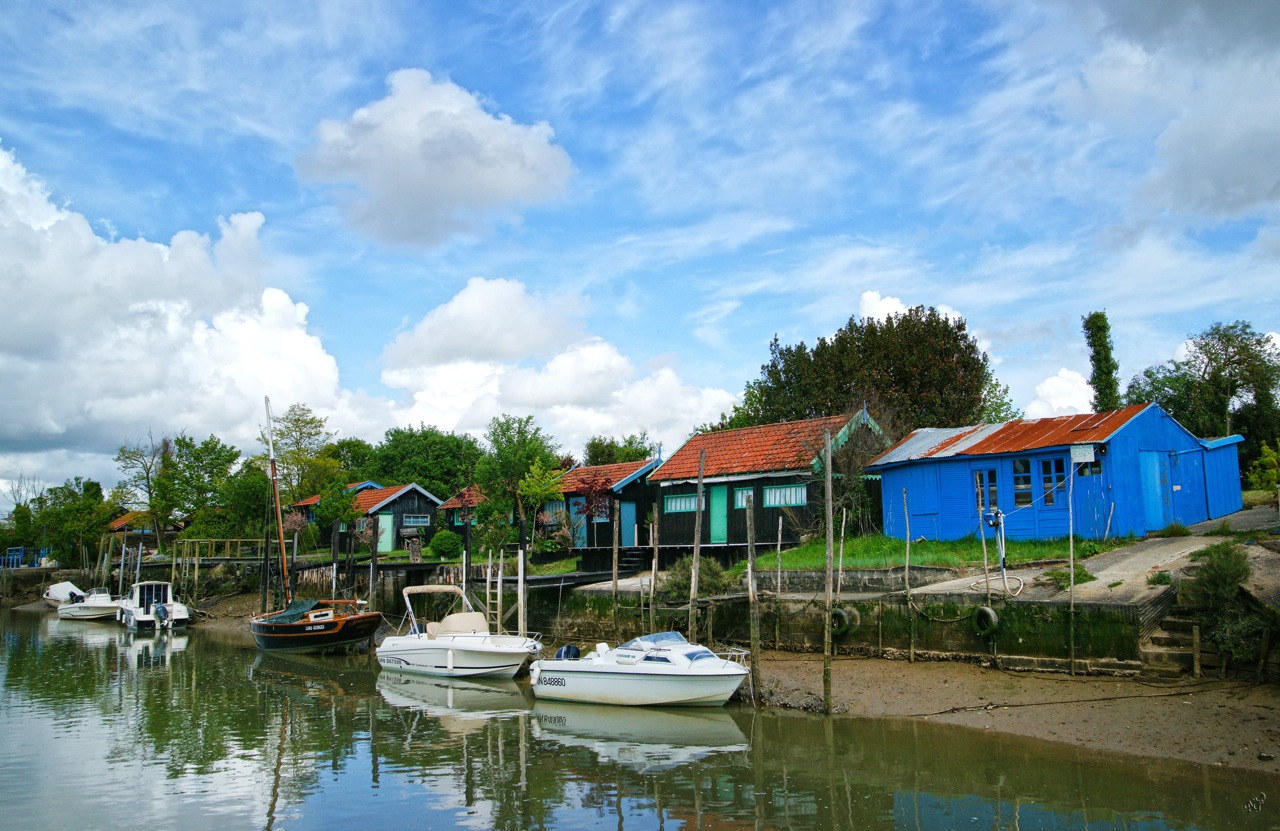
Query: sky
[[600, 213]]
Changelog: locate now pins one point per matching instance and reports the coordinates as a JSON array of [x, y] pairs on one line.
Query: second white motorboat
[[98, 604], [458, 645], [151, 604], [662, 669]]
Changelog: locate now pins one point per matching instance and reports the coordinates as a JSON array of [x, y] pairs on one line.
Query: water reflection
[[205, 732]]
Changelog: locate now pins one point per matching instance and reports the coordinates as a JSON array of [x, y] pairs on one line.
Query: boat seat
[[464, 623], [433, 629]]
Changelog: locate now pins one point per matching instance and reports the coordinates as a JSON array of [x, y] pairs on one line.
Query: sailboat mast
[[275, 493]]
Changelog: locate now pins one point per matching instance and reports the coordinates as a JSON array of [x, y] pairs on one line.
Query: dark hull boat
[[307, 625], [313, 626]]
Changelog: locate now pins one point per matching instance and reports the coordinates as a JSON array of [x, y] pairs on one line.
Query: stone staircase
[[1168, 651]]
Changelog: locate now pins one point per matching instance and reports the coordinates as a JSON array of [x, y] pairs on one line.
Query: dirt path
[[1230, 723]]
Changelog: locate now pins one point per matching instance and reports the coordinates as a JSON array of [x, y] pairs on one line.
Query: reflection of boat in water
[[480, 697], [458, 645], [337, 675], [662, 669], [642, 738], [98, 604]]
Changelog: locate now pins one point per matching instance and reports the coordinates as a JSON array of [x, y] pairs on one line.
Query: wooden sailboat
[[307, 625]]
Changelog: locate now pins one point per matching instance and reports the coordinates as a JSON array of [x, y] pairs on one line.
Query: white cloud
[[495, 348], [873, 305], [1066, 393], [102, 342], [428, 162]]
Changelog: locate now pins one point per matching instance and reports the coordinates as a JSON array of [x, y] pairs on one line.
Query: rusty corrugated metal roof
[[1009, 437]]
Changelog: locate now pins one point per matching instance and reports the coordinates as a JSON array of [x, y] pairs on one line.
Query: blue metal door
[[627, 533], [1155, 489]]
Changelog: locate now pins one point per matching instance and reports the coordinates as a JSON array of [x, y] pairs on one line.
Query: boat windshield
[[699, 654], [656, 639]]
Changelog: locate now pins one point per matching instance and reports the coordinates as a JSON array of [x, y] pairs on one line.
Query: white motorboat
[[459, 644], [151, 604], [60, 593], [662, 669], [98, 604]]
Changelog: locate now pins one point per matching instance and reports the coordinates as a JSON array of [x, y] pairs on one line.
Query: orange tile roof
[[315, 500], [369, 497], [124, 520], [787, 445], [468, 497], [573, 481]]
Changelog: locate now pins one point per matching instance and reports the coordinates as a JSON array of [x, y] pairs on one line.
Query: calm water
[[102, 729]]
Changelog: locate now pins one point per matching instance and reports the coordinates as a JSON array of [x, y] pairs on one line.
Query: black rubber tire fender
[[985, 621]]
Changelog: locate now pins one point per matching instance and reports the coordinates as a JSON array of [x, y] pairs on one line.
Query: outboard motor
[[161, 613], [568, 652]]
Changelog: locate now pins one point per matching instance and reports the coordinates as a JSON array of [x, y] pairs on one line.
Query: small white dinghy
[[98, 604], [60, 593], [662, 669], [458, 645]]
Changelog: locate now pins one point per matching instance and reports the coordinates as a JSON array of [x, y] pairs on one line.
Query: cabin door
[[386, 531], [719, 513], [1156, 506], [627, 519]]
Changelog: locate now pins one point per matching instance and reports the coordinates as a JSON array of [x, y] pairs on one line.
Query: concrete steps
[[1168, 651]]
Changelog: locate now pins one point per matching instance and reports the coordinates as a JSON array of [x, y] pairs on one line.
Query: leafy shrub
[[1264, 474], [1222, 529], [1060, 578], [1176, 529], [446, 545], [712, 579], [1160, 578], [1216, 591]]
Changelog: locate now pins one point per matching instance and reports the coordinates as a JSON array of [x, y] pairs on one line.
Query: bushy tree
[[71, 517], [200, 471], [440, 462], [300, 438], [148, 483], [712, 580], [602, 450], [922, 363], [1227, 383], [516, 444], [1264, 474]]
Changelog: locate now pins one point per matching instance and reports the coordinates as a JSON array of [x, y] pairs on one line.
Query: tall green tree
[[1229, 382], [147, 482], [516, 444], [71, 517], [300, 438], [201, 471], [921, 363], [354, 456], [997, 406], [602, 450], [438, 461], [1105, 375]]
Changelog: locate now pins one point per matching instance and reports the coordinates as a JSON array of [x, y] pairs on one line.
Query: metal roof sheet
[[1008, 437]]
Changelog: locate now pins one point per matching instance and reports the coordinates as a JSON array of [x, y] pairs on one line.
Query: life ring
[[842, 621], [985, 621]]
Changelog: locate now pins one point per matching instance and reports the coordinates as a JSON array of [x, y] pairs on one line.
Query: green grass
[[880, 552], [1254, 499], [566, 566]]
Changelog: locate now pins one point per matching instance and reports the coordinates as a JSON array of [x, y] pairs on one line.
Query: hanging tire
[[842, 621], [985, 621]]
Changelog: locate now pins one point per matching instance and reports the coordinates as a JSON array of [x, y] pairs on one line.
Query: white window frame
[[417, 520], [785, 496], [681, 503]]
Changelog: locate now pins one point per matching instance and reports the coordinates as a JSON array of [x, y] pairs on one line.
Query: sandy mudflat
[[1229, 723]]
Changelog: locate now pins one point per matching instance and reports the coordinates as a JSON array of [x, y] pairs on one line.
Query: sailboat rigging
[[307, 625]]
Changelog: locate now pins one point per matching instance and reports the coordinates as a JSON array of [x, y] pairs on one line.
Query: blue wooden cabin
[[1134, 470]]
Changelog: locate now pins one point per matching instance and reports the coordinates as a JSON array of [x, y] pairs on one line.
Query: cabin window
[[1093, 468], [740, 496], [362, 523], [463, 516], [683, 503], [1053, 473], [1021, 483], [656, 659], [553, 512], [783, 496], [417, 520], [985, 480]]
